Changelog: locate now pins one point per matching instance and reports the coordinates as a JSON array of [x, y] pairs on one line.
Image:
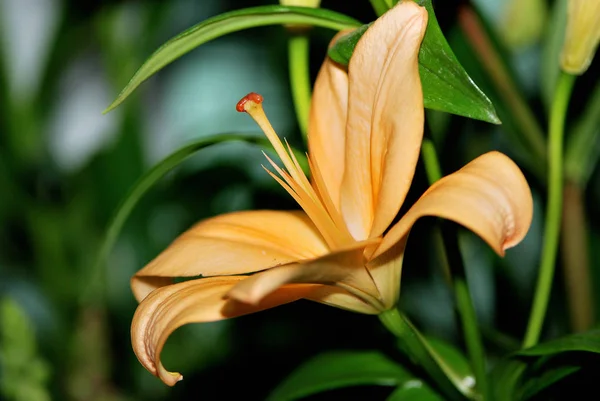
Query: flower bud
[[581, 36], [301, 3], [299, 28]]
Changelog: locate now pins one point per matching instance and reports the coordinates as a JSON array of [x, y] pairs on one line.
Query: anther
[[250, 98]]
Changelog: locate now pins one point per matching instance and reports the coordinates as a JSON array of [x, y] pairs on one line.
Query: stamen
[[308, 208], [314, 209], [304, 183], [294, 181], [252, 104], [326, 200]]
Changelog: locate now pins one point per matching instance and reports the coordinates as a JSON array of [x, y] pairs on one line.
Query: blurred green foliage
[[25, 374], [65, 168]]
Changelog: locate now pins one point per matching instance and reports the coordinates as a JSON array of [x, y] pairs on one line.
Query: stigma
[[251, 99]]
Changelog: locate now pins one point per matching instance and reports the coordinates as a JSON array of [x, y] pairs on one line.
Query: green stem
[[456, 266], [466, 310], [380, 6], [430, 160], [554, 208], [298, 52]]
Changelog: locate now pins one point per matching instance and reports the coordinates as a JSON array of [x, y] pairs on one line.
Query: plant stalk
[[298, 56], [553, 210], [456, 267], [380, 6], [466, 309]]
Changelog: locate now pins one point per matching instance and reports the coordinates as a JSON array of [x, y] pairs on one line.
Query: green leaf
[[520, 379], [505, 379], [514, 380], [340, 369], [446, 85], [453, 358], [144, 184], [414, 391], [549, 377], [343, 48], [588, 341], [454, 385], [229, 22], [583, 145]]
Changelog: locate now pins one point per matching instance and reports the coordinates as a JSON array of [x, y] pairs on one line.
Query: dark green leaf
[[223, 24], [343, 48], [543, 365], [453, 358], [515, 380], [446, 85], [422, 353], [586, 342], [505, 379], [340, 369], [534, 385], [414, 391]]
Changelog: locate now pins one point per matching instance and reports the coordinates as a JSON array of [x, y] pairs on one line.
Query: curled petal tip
[[249, 99], [169, 378]]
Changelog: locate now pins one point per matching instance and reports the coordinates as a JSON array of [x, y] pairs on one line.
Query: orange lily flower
[[366, 128]]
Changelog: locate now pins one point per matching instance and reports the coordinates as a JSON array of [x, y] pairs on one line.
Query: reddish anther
[[250, 97]]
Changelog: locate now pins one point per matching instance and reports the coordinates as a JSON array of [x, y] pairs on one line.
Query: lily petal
[[385, 120], [489, 196], [233, 243], [340, 298], [326, 132], [194, 301], [386, 270], [345, 269]]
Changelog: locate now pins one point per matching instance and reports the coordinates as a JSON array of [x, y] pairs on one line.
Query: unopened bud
[[582, 35], [301, 3], [299, 28]]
